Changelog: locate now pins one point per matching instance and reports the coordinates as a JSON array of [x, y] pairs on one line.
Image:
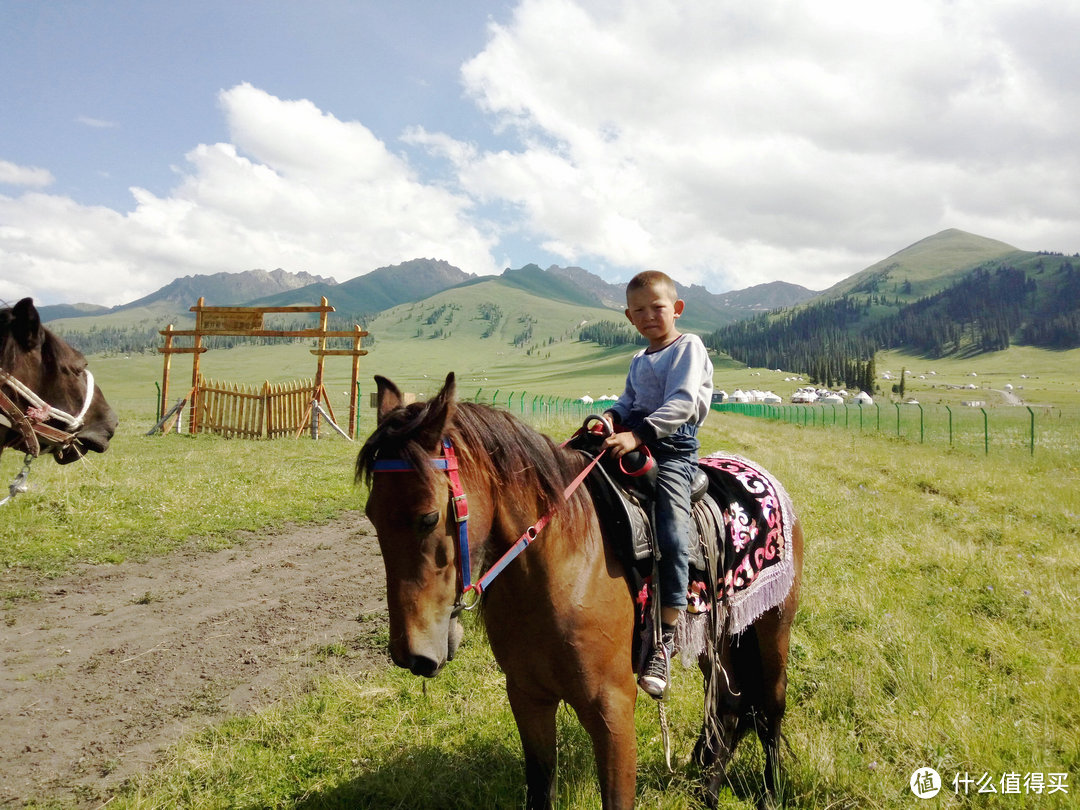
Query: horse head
[[409, 504], [50, 399]]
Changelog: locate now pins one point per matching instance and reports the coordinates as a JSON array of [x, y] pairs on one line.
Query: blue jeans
[[676, 461]]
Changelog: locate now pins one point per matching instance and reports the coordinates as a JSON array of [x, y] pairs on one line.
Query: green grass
[[938, 627], [152, 495], [938, 624]]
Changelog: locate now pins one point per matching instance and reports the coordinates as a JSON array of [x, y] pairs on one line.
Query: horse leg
[[774, 638], [721, 729], [609, 720], [535, 718], [773, 631]]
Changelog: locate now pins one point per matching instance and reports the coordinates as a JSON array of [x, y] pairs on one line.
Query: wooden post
[[324, 316], [165, 374], [193, 422], [266, 409], [354, 390]]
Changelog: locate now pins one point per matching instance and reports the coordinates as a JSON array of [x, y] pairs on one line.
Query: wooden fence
[[254, 412]]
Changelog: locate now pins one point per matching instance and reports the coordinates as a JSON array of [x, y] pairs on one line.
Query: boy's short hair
[[653, 278]]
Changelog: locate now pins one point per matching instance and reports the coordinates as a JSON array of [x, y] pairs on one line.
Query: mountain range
[[365, 296], [946, 293], [951, 294]]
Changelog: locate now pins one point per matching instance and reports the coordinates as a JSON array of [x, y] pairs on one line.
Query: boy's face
[[653, 311]]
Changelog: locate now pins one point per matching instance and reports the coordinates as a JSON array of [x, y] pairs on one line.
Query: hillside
[[491, 328], [226, 289], [53, 312], [923, 268], [376, 291], [134, 326], [704, 310], [1012, 297]]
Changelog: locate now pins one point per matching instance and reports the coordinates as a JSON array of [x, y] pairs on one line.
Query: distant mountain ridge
[[778, 318], [373, 292], [227, 289], [953, 293], [367, 295], [54, 312]]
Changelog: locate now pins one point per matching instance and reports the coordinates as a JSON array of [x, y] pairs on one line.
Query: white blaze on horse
[[457, 489]]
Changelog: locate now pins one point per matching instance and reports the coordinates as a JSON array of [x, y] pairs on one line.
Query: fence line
[[1015, 427]]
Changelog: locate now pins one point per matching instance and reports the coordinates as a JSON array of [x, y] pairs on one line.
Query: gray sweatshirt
[[666, 389]]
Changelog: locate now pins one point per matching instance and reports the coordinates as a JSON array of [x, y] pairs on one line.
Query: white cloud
[[96, 123], [14, 175], [736, 143], [730, 143], [295, 188]]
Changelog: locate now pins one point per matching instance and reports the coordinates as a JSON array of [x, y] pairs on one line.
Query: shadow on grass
[[481, 774], [491, 775]]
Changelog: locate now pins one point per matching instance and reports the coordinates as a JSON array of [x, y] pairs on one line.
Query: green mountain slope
[[1011, 297], [923, 268], [373, 292]]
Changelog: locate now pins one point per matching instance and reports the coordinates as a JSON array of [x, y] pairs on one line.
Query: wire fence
[[540, 405], [981, 429], [1029, 429]]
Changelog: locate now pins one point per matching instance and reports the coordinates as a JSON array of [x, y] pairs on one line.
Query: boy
[[667, 397]]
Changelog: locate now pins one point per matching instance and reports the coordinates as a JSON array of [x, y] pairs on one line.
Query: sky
[[727, 143]]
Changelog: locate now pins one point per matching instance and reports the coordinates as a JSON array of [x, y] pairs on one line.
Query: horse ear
[[26, 324], [440, 410], [388, 398]]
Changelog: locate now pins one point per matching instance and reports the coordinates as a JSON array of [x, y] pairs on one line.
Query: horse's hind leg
[[773, 632], [536, 724], [721, 729], [774, 637]]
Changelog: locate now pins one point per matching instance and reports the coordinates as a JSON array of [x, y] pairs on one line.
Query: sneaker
[[654, 675]]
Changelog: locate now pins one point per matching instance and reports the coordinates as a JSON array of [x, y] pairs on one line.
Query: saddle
[[623, 491]]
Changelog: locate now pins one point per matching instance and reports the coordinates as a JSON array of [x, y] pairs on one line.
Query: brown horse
[[48, 399], [560, 617]]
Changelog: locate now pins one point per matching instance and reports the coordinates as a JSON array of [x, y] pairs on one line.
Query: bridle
[[470, 592], [30, 424]]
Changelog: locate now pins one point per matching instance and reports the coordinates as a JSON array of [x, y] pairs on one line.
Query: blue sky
[[728, 143]]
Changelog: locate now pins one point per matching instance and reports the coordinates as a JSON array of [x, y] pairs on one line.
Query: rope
[[19, 485], [49, 411], [665, 732]]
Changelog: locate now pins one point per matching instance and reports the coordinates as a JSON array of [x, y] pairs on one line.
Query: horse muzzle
[[428, 663], [94, 438]]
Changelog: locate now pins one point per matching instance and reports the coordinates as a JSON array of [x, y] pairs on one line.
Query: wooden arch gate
[[252, 411]]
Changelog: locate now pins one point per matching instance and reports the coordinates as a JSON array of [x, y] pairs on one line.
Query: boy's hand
[[622, 443]]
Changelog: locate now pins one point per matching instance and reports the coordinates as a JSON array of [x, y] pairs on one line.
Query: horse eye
[[428, 522]]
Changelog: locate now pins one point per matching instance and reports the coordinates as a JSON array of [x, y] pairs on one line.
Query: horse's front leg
[[609, 720], [535, 718]]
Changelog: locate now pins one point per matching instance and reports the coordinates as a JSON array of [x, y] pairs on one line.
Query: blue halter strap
[[448, 462]]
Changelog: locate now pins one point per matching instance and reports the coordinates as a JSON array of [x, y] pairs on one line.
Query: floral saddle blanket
[[740, 550]]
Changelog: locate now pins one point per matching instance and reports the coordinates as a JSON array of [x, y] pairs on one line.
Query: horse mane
[[524, 464]]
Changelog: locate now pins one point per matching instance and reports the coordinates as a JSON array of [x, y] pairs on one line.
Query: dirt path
[[116, 662], [1009, 397]]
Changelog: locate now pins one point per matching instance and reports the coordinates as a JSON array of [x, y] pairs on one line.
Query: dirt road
[[115, 663]]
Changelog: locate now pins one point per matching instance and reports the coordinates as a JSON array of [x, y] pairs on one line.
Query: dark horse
[[48, 399], [560, 617]]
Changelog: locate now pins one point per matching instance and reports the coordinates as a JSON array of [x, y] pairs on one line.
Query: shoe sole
[[652, 686]]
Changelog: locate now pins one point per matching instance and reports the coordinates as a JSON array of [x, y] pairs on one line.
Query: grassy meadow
[[938, 626]]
